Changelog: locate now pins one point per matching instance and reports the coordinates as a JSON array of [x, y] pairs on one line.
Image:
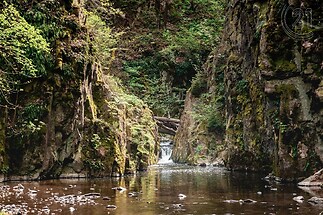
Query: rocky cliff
[[76, 120], [269, 65]]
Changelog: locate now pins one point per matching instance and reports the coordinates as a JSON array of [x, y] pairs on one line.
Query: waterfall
[[166, 148]]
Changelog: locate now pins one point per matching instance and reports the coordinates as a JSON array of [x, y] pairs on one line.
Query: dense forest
[[81, 82]]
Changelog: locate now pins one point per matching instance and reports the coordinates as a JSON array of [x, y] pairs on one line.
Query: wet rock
[[75, 199], [248, 201], [92, 195], [272, 177], [106, 198], [177, 206], [231, 201], [313, 191], [45, 210], [314, 180], [121, 189], [133, 194], [18, 188], [181, 196], [316, 201], [71, 209], [299, 199], [241, 201], [32, 191], [111, 207], [14, 209], [218, 162]]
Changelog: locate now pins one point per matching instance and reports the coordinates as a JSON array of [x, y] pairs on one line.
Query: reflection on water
[[156, 192]]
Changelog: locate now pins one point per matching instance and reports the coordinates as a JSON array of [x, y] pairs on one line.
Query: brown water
[[206, 188]]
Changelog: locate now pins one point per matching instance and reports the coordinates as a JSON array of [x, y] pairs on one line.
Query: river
[[164, 189], [207, 190]]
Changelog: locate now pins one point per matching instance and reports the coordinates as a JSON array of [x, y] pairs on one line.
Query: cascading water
[[166, 148]]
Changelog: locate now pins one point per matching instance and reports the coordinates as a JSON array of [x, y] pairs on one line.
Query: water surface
[[156, 191]]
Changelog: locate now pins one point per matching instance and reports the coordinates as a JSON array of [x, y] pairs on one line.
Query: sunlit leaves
[[22, 51], [103, 39], [22, 48]]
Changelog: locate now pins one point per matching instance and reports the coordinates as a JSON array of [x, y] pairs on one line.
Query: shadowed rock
[[314, 180]]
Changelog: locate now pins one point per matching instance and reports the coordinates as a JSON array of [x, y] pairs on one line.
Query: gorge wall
[[266, 85], [75, 120]]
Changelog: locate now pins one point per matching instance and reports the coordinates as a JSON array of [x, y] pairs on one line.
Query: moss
[[287, 89], [199, 85], [287, 92], [233, 58], [283, 65], [92, 104], [4, 166], [100, 152], [124, 137], [257, 95]]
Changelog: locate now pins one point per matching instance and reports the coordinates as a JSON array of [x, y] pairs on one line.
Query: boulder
[[314, 180]]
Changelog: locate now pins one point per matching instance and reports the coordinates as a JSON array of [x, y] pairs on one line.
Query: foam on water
[[166, 149]]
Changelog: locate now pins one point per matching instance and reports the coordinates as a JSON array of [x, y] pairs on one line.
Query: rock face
[[272, 90], [314, 180], [194, 141], [185, 132], [77, 121], [99, 132]]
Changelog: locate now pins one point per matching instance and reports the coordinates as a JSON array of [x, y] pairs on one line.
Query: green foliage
[[163, 100], [103, 39], [32, 112], [165, 59], [23, 52], [199, 85], [5, 89], [215, 122], [199, 149], [22, 48], [47, 17], [144, 81], [29, 123], [94, 165], [242, 86], [282, 127], [199, 35], [96, 141], [201, 8], [4, 170], [208, 112]]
